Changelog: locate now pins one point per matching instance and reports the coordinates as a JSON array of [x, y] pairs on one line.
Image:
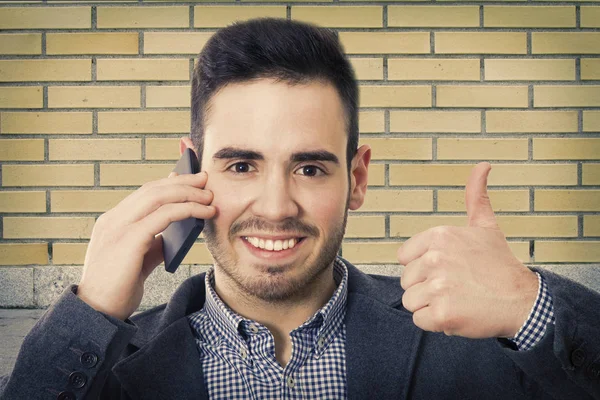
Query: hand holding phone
[[179, 236]]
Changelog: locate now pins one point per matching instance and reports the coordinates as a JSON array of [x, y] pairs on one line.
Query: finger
[[419, 269], [425, 319], [479, 207], [159, 220], [414, 247], [153, 257], [416, 297], [138, 207]]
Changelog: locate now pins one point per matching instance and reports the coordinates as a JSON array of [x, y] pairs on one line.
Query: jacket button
[[88, 359], [65, 396], [578, 357], [77, 380], [593, 371]]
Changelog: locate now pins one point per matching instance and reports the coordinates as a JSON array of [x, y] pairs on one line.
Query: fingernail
[[172, 174]]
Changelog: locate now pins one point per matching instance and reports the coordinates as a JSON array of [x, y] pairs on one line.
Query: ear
[[186, 143], [359, 177]]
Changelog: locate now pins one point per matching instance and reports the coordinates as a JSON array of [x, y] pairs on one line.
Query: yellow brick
[[371, 121], [143, 70], [511, 226], [48, 227], [198, 254], [565, 149], [46, 122], [221, 16], [23, 253], [482, 149], [591, 121], [501, 174], [132, 174], [21, 150], [566, 96], [92, 43], [20, 43], [530, 121], [162, 149], [45, 70], [502, 200], [372, 226], [482, 96], [143, 17], [21, 97], [567, 200], [168, 96], [144, 122], [46, 17], [590, 17], [437, 69], [590, 68], [565, 42], [86, 200], [395, 96], [48, 175], [385, 42], [529, 17], [340, 17], [371, 252], [68, 253], [591, 225], [435, 121], [399, 149], [93, 96], [571, 251], [398, 200], [95, 149], [21, 202], [591, 174], [175, 42], [433, 16], [529, 70], [376, 174], [481, 42], [367, 68]]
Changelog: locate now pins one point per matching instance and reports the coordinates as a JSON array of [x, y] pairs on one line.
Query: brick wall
[[95, 95]]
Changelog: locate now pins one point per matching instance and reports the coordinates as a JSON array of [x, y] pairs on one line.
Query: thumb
[[479, 207]]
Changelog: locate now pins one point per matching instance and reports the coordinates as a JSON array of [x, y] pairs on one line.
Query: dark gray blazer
[[81, 353]]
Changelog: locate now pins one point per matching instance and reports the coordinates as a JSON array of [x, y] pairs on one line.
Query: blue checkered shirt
[[238, 355]]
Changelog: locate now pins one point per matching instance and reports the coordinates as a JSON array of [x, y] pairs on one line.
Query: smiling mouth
[[273, 245]]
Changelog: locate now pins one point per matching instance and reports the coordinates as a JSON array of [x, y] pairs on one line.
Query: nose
[[275, 200]]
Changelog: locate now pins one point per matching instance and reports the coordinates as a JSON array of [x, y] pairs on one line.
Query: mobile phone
[[179, 236]]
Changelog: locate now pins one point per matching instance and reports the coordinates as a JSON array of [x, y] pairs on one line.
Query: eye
[[311, 170], [240, 167]]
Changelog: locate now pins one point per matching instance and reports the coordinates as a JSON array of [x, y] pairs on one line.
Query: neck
[[280, 317]]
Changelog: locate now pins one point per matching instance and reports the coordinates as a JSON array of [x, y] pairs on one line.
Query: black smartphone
[[179, 236]]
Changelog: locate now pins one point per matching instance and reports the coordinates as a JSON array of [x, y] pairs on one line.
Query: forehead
[[276, 117]]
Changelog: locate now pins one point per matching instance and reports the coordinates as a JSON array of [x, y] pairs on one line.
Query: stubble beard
[[274, 285]]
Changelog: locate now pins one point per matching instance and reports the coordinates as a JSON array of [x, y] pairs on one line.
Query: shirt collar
[[325, 322]]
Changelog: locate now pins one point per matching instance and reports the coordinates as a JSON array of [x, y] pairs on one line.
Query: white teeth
[[272, 245]]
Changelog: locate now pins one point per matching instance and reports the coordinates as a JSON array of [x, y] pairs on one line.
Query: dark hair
[[289, 51]]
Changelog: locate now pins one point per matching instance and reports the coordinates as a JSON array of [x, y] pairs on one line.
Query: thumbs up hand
[[465, 281]]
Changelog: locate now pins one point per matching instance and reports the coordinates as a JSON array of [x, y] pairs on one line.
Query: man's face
[[275, 157]]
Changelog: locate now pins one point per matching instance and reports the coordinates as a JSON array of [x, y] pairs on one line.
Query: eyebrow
[[229, 153]]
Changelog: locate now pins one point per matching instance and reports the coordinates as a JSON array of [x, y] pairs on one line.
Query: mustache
[[287, 226]]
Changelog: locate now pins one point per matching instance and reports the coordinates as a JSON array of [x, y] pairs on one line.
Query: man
[[274, 124]]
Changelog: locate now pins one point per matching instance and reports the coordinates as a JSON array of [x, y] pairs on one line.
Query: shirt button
[[88, 359], [243, 353], [77, 380], [254, 328], [321, 342], [290, 382]]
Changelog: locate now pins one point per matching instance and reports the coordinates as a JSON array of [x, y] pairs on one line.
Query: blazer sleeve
[[566, 361], [69, 352]]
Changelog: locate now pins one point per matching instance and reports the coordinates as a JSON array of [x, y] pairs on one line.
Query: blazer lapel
[[381, 340], [167, 367]]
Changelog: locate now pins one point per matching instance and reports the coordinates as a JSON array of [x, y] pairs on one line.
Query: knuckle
[[433, 257]]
